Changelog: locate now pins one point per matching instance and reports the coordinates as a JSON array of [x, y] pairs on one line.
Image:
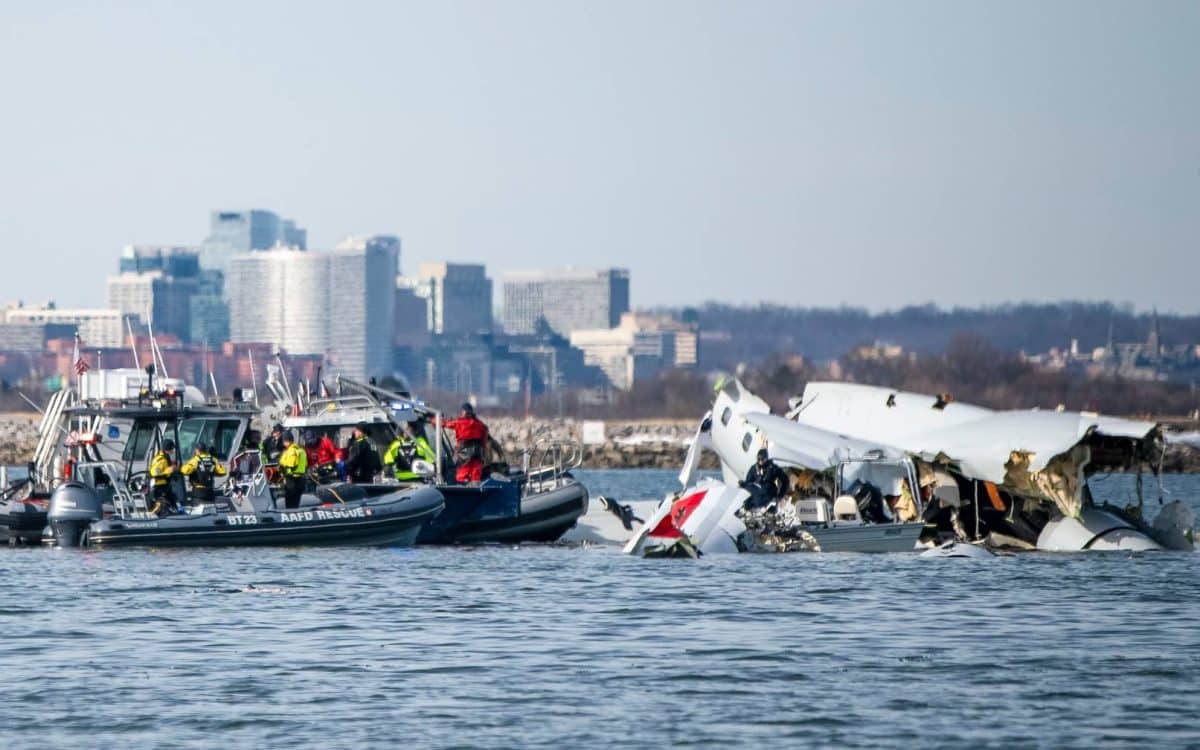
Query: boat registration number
[[248, 519], [323, 515]]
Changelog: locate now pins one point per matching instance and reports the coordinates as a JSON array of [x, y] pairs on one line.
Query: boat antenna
[[132, 342], [283, 371], [253, 379], [155, 352]]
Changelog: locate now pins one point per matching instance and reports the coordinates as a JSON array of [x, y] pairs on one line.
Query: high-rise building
[[458, 298], [172, 260], [564, 300], [411, 330], [280, 297], [210, 311], [156, 286], [340, 303], [233, 232], [362, 307]]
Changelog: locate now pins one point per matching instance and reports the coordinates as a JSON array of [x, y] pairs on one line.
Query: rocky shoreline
[[650, 444], [646, 444]]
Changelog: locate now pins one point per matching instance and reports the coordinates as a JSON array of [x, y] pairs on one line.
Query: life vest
[[206, 467]]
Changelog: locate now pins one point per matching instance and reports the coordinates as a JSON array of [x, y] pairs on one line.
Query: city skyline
[[956, 153]]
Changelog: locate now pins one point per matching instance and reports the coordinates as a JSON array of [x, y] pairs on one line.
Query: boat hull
[[23, 521], [394, 519], [871, 538], [497, 513]]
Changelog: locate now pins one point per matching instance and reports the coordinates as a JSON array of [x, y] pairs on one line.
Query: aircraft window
[[746, 442], [726, 415]]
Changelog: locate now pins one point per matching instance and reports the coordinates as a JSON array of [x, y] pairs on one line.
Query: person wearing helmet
[[765, 481], [162, 468], [293, 463], [409, 446], [202, 468], [471, 436]]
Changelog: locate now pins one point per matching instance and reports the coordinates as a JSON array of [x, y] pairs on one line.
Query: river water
[[547, 646]]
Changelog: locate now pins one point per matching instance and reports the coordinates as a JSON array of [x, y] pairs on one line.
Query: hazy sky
[[875, 154]]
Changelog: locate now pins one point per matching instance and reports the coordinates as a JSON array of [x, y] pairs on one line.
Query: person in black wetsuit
[[765, 481], [362, 460]]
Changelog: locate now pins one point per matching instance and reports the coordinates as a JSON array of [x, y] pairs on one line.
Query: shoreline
[[633, 444]]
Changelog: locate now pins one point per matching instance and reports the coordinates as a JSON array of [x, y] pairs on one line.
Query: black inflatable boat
[[334, 515]]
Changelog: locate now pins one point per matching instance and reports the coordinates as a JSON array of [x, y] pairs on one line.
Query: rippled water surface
[[558, 646]]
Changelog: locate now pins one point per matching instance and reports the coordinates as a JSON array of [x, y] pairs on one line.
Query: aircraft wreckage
[[873, 469]]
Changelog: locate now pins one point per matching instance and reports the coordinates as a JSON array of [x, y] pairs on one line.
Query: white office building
[[362, 306], [638, 348], [340, 304], [97, 328]]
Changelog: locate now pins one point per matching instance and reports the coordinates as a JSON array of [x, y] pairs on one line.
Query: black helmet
[[762, 454], [277, 428], [288, 437], [168, 445], [362, 427], [468, 408], [202, 447]]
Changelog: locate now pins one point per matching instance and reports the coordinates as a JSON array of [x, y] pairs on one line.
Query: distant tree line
[[969, 369], [733, 334]]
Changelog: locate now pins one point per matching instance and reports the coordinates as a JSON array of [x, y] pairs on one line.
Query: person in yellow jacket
[[162, 469], [293, 463], [409, 446], [202, 468]]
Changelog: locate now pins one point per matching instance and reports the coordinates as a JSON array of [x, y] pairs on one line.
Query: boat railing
[[129, 498], [548, 461], [340, 403], [248, 480]]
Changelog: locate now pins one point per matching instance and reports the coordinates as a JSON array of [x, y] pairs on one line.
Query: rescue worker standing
[[765, 480], [293, 463], [202, 468], [362, 460], [471, 435], [272, 447], [408, 447], [162, 469]]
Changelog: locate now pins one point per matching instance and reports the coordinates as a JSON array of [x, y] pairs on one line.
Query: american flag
[[81, 365]]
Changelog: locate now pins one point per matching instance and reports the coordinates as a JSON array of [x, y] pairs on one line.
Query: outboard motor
[[73, 507]]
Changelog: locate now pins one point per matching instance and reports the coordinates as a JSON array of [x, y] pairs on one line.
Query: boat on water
[[333, 515], [101, 493], [536, 501]]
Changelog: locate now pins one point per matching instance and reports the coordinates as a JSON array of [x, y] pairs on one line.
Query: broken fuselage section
[[881, 460]]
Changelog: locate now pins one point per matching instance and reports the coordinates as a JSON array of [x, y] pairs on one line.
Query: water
[[549, 647]]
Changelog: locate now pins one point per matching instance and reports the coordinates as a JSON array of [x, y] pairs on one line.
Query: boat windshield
[[138, 444], [217, 434]]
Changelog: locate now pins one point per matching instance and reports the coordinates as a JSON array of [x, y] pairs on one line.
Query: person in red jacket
[[471, 435], [323, 456]]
